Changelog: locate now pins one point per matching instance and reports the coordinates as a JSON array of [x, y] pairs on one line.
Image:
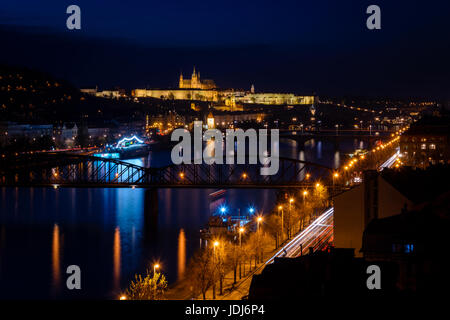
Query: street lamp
[[241, 231], [258, 220], [155, 266], [291, 200], [305, 193], [123, 297], [280, 208]]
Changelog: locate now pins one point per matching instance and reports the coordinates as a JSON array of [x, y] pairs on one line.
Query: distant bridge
[[75, 170], [301, 136]]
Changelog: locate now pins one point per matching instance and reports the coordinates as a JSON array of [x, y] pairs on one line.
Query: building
[[196, 88], [332, 273], [382, 195], [178, 94], [426, 142], [276, 99], [110, 94], [11, 131], [415, 242], [195, 82]]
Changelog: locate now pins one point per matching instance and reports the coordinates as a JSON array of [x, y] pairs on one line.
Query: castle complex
[[206, 90], [196, 83]]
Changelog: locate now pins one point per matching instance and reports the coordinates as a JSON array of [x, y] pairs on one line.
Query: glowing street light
[[259, 220], [223, 209], [181, 175], [241, 231], [123, 297], [244, 176], [291, 200], [305, 193], [251, 210], [155, 266], [317, 185]]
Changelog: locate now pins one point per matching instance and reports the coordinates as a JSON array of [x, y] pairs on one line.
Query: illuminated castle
[[195, 82]]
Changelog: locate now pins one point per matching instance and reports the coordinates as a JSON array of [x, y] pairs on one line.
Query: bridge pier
[[151, 213]]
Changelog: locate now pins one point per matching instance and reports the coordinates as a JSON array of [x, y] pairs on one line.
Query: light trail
[[309, 233], [389, 162], [318, 230]]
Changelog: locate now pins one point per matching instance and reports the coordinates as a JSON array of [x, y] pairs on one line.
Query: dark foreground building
[[417, 243], [333, 272], [411, 249]]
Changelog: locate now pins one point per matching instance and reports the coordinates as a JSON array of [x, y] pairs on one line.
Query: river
[[104, 232]]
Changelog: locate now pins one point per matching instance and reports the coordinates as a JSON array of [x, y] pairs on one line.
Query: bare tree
[[150, 287], [201, 273]]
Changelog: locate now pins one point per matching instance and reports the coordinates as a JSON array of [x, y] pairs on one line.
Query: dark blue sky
[[322, 46]]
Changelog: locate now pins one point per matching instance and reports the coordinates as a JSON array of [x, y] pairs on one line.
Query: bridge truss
[[71, 170]]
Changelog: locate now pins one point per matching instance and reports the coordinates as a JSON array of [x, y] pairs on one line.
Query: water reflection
[[337, 159], [116, 260], [56, 263], [115, 233], [181, 254], [319, 150]]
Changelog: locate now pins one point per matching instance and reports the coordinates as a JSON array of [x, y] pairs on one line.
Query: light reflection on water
[[110, 234]]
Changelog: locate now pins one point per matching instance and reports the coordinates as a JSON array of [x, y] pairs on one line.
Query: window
[[432, 146], [423, 146]]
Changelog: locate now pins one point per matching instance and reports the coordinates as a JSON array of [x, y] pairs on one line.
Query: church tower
[[194, 80], [181, 80]]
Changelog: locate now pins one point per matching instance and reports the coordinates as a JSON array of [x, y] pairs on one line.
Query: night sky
[[300, 46]]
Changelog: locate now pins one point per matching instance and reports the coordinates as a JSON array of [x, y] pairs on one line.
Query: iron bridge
[[75, 170]]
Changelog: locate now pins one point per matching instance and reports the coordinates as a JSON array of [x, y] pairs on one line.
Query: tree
[[233, 258], [150, 287], [220, 263], [201, 273], [273, 227]]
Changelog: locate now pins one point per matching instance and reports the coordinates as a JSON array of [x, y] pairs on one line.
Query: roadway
[[389, 162], [316, 235]]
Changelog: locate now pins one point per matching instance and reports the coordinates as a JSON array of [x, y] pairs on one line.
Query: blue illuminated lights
[[123, 143], [223, 209], [251, 210]]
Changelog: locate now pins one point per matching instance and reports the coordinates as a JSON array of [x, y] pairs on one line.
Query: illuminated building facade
[[426, 144], [195, 82], [206, 90]]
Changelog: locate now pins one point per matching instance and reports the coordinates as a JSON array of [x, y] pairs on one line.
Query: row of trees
[[238, 253], [208, 267], [210, 264]]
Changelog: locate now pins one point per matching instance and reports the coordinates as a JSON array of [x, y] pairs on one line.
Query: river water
[[105, 233]]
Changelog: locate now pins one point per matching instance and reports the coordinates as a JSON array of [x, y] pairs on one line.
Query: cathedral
[[195, 82]]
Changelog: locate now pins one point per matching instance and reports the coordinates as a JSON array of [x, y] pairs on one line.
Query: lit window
[[432, 146], [423, 146]]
